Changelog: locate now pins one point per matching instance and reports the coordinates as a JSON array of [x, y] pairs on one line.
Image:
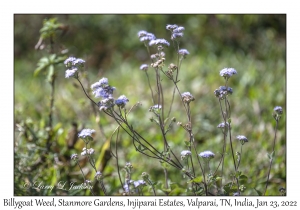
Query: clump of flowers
[[73, 64], [102, 89], [86, 134], [146, 37], [187, 97], [121, 101], [242, 139], [222, 92], [277, 112], [144, 67], [207, 155], [183, 53], [227, 72], [176, 31]]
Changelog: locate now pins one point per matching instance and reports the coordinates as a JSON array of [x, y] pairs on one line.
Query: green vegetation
[[255, 45]]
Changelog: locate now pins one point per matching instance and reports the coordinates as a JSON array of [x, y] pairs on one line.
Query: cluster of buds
[[224, 127], [86, 151], [187, 97], [187, 126], [207, 155], [277, 112], [155, 109], [98, 175], [159, 63], [87, 135], [242, 139], [185, 154], [73, 64], [171, 69], [222, 92], [106, 103], [176, 31]]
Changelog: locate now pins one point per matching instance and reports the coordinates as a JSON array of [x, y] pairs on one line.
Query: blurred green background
[[255, 45]]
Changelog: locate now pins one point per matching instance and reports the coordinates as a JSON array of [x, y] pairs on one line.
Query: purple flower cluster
[[207, 154], [86, 134], [146, 37], [121, 101], [102, 89], [177, 31], [227, 72], [183, 52], [73, 64], [159, 42], [223, 91], [187, 97]]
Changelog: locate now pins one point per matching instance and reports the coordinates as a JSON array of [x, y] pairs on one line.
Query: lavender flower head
[[185, 154], [159, 42], [278, 110], [242, 139], [187, 97], [222, 92], [179, 29], [78, 62], [121, 101], [183, 52], [89, 151], [227, 72], [106, 103], [102, 83], [144, 67], [145, 36], [171, 27], [102, 89], [86, 134], [98, 175], [69, 61], [222, 125], [139, 183], [142, 33], [176, 36], [74, 157], [71, 73], [73, 63], [207, 155], [155, 108]]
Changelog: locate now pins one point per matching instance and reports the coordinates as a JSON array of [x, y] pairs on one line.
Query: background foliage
[[255, 45]]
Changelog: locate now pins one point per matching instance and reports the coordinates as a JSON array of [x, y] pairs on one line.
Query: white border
[[154, 6]]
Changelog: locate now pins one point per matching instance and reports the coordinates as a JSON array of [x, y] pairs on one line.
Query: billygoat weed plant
[[194, 161]]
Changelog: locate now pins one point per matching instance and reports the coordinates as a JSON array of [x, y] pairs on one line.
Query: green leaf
[[165, 165], [198, 179], [200, 191], [50, 73], [42, 64], [258, 192], [271, 156], [218, 178], [177, 191], [173, 186], [244, 177]]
